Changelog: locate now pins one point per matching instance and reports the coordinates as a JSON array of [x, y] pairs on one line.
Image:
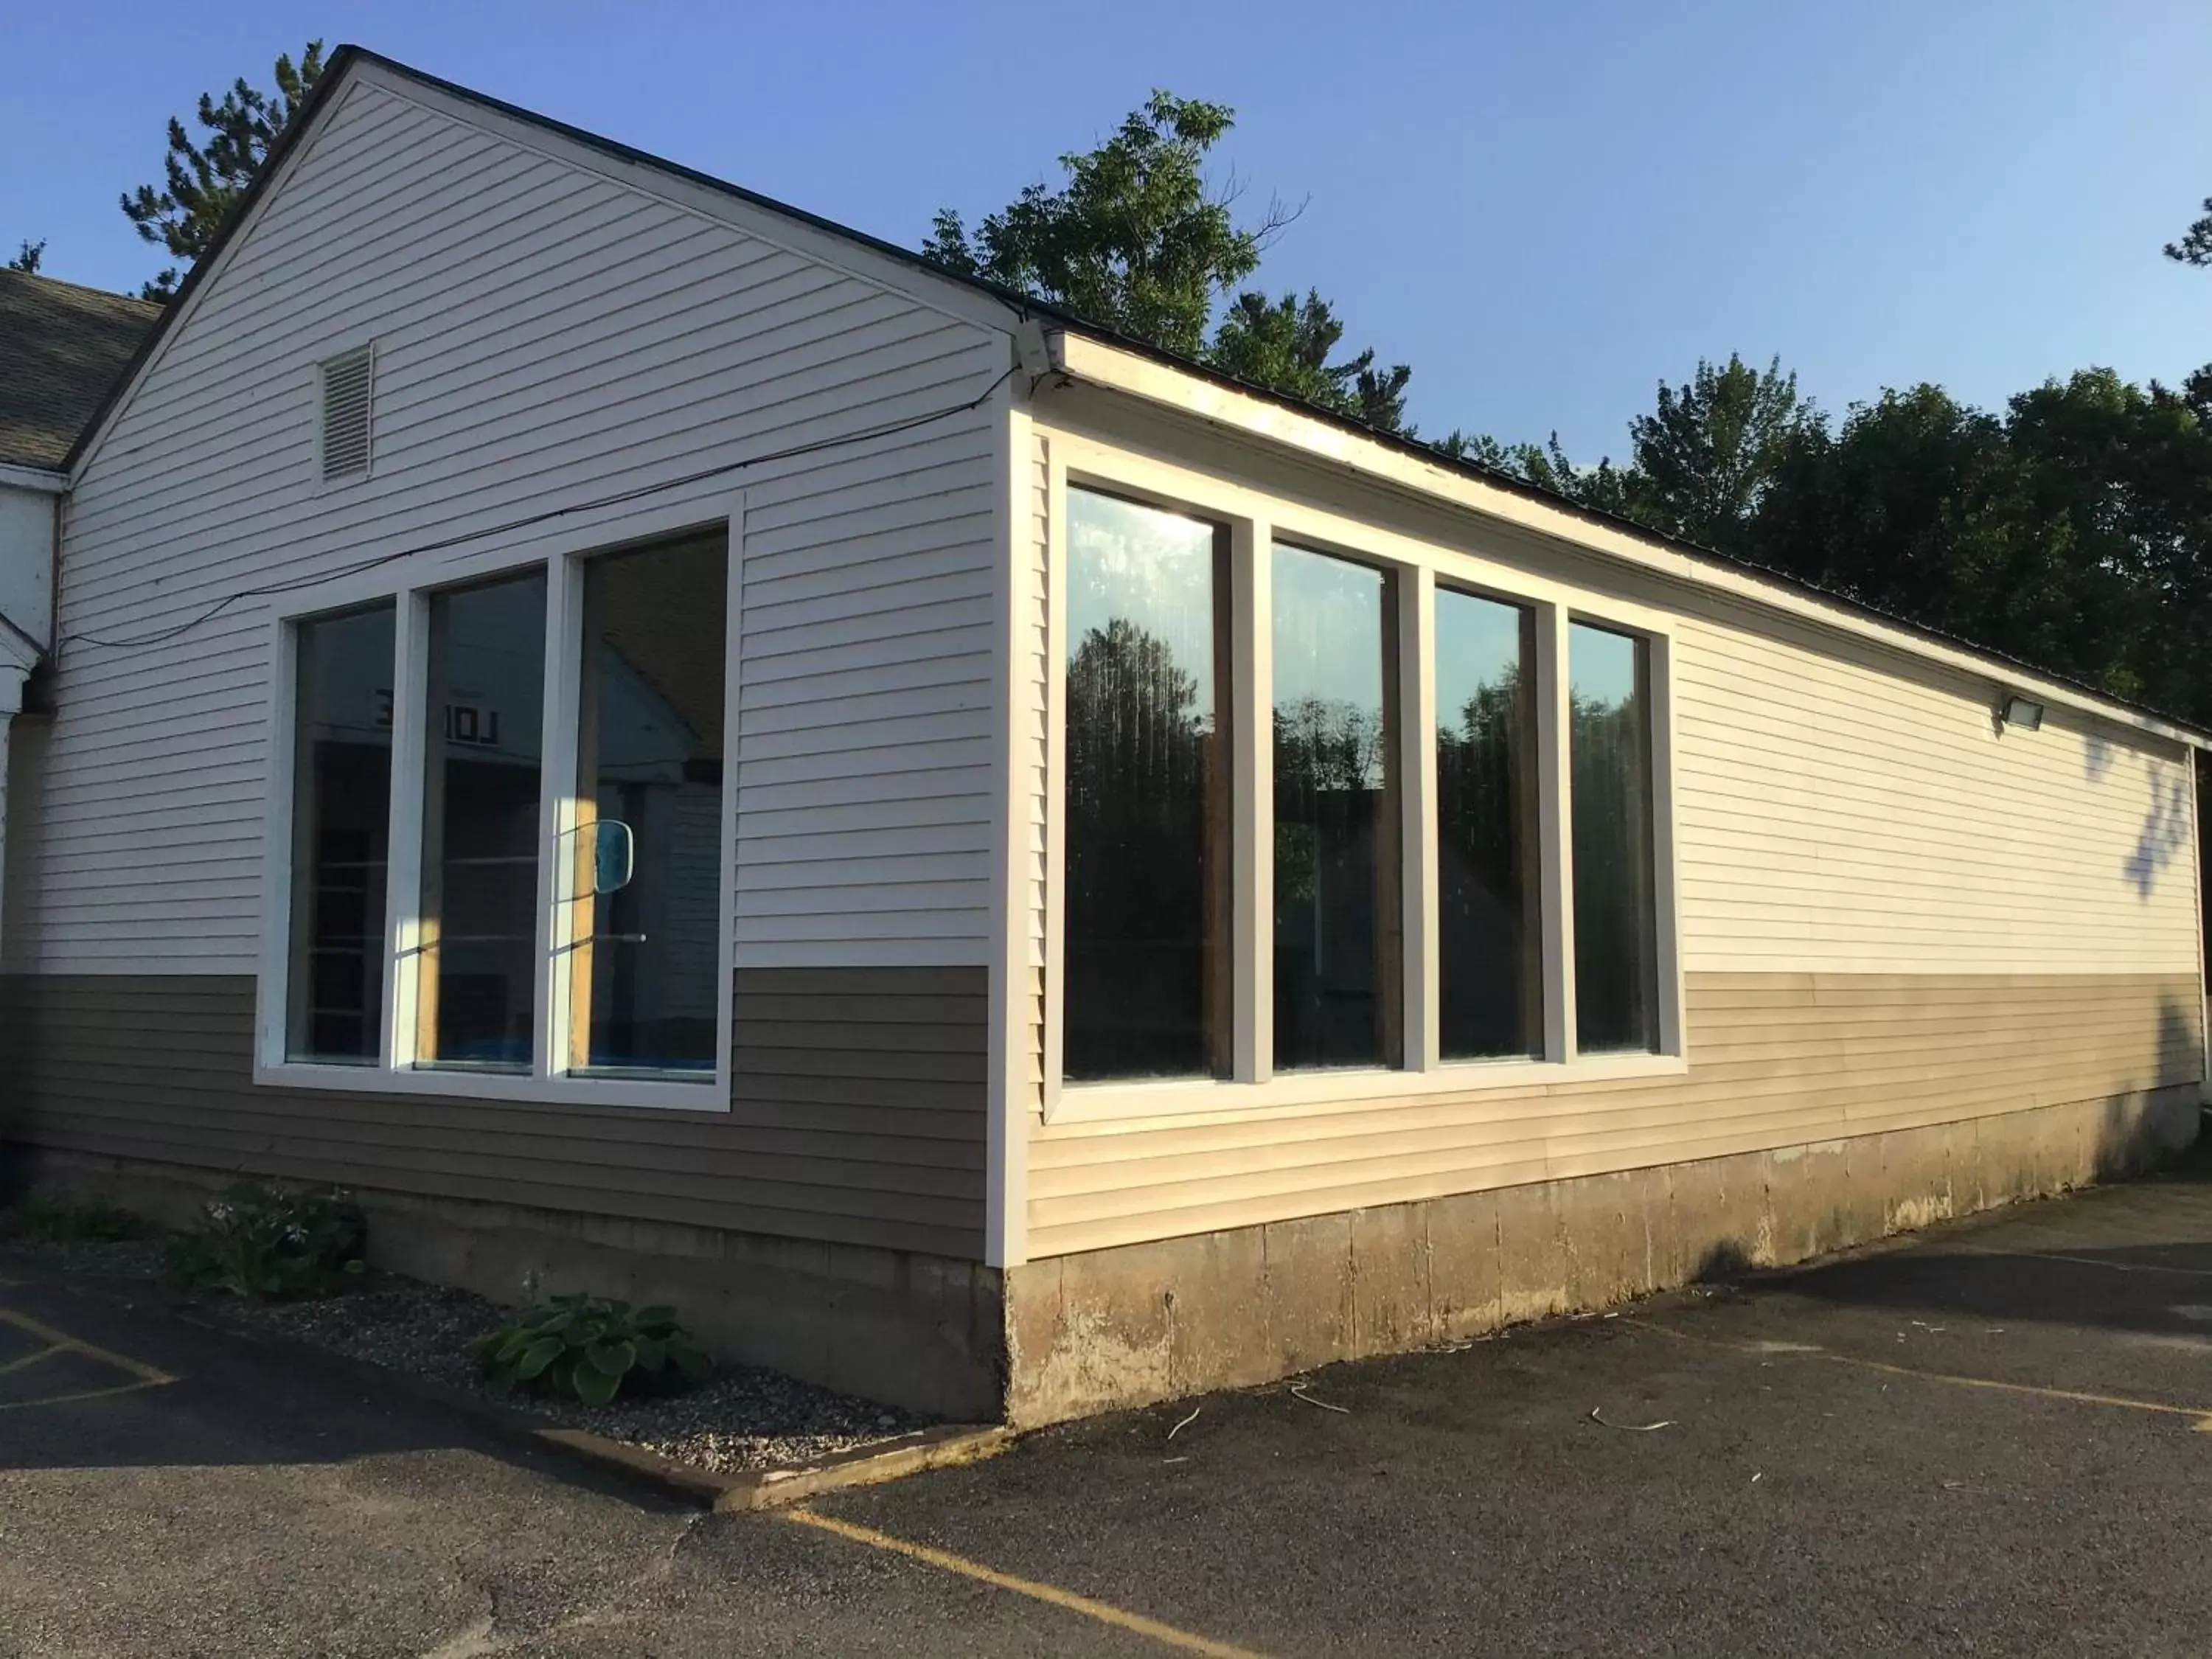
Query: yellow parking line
[[31, 1359], [2089, 1261], [85, 1394], [45, 1333], [1105, 1612], [2200, 1415]]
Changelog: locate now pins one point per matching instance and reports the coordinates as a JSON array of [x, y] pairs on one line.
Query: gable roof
[[338, 71], [62, 350]]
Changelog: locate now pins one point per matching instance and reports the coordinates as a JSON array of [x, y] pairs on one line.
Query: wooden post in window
[[429, 912], [581, 911]]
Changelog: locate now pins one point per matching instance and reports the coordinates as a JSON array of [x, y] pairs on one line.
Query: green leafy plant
[[272, 1245], [590, 1349], [48, 1221]]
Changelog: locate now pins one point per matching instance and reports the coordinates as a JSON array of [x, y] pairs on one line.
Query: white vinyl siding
[[544, 336]]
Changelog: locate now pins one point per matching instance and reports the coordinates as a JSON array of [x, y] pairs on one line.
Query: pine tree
[[205, 183]]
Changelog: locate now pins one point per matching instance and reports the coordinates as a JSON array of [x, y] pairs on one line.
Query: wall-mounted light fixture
[[2016, 710]]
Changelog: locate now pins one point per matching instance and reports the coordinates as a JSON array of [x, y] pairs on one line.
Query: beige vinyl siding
[[1783, 1060], [1890, 915], [857, 1117], [546, 334], [1838, 815]]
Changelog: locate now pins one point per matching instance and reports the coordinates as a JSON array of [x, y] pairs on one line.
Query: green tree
[[2075, 532], [2195, 247], [203, 183], [1284, 345], [1706, 455], [27, 257], [1135, 239], [1604, 487]]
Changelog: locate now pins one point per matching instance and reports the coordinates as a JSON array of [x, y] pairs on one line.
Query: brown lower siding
[[831, 1224], [857, 1112]]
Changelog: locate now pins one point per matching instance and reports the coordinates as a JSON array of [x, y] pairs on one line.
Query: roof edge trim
[[43, 481], [1137, 374]]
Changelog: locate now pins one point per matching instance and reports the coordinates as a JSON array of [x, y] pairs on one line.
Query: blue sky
[[1544, 209]]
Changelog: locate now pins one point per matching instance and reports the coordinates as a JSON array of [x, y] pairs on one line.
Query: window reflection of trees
[[1616, 960], [1489, 934], [1145, 888]]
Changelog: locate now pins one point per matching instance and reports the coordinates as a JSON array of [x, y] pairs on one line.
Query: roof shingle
[[61, 347]]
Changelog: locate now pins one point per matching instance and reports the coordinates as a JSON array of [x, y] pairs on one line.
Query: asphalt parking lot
[[1991, 1441]]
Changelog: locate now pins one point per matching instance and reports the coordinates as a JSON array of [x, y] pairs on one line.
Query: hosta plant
[[590, 1349]]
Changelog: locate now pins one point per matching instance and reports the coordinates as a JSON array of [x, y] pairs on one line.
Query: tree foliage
[[1133, 239], [27, 257], [203, 182], [1284, 345], [1706, 455], [2195, 247], [2073, 531]]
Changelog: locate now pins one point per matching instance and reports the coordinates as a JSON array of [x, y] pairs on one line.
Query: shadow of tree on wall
[[2165, 836]]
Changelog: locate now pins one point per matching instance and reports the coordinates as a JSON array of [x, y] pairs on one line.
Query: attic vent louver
[[346, 380]]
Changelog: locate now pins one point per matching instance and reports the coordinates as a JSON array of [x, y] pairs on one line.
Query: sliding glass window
[[484, 751], [1146, 954], [1339, 928], [1616, 930], [1489, 935], [341, 819], [643, 886]]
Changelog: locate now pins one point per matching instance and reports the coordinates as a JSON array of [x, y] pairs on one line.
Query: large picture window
[[1339, 938], [1489, 917], [1348, 814], [510, 851], [1616, 946], [341, 815], [476, 973], [645, 874], [1146, 904]]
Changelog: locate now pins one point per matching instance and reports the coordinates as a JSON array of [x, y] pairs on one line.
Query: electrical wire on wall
[[163, 635]]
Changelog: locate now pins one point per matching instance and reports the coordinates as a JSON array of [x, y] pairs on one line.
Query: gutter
[[1415, 470]]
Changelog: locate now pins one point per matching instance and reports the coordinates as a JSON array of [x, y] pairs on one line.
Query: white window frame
[[408, 583], [1255, 521]]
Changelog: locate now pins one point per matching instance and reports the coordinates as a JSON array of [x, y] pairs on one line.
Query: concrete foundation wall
[[914, 1329], [1142, 1322]]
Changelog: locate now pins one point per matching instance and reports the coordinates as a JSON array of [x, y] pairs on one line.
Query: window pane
[[1146, 908], [1489, 929], [341, 802], [1338, 940], [1616, 941], [646, 948], [482, 756]]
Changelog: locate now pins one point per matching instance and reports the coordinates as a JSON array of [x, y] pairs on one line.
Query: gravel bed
[[744, 1417]]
